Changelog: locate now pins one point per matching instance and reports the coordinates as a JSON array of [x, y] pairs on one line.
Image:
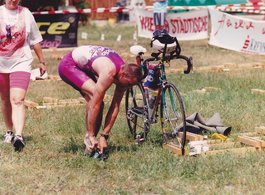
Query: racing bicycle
[[168, 104]]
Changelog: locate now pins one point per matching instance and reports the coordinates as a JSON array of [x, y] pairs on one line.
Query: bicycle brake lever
[[190, 66]]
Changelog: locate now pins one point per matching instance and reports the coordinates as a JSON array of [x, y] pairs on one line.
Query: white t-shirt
[[18, 31]]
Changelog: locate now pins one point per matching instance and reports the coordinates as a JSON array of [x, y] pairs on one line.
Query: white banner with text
[[192, 25], [237, 33]]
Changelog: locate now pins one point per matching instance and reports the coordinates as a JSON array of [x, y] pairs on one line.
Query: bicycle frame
[[151, 113], [160, 96], [163, 81], [172, 112]]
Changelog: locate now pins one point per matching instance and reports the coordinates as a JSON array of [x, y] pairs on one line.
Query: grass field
[[53, 161]]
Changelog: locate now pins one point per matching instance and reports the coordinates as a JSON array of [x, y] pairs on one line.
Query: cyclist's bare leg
[[94, 142], [87, 89], [99, 119]]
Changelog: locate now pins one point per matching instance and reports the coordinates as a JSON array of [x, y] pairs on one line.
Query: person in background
[[91, 70], [18, 32], [159, 14], [121, 16]]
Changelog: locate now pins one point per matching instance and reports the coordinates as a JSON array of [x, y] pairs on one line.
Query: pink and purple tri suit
[[76, 67]]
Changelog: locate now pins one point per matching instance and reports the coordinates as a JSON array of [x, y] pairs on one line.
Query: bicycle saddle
[[137, 49]]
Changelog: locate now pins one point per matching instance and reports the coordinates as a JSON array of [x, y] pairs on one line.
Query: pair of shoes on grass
[[94, 153], [17, 141]]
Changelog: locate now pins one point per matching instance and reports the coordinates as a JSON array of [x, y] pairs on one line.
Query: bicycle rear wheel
[[173, 117], [136, 112]]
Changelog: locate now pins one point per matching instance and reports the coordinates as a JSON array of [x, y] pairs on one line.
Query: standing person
[[18, 32], [121, 16], [159, 13], [92, 70]]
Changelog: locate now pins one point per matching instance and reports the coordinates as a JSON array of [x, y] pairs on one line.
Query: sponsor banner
[[208, 2], [191, 25], [237, 33], [58, 30]]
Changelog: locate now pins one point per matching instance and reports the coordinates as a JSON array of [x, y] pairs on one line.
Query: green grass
[[234, 101], [53, 160]]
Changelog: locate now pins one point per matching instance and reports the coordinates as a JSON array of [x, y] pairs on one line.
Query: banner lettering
[[237, 33], [58, 30], [191, 25]]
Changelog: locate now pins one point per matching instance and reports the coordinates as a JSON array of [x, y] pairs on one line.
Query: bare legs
[[17, 97], [7, 110], [13, 109], [87, 89], [99, 119]]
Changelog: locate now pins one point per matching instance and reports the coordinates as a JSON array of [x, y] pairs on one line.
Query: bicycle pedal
[[139, 139], [154, 120]]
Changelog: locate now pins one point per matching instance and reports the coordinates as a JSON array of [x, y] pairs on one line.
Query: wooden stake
[[173, 148], [257, 143], [257, 91], [191, 136], [260, 130], [241, 150], [30, 104]]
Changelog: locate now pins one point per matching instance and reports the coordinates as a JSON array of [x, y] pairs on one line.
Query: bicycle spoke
[[134, 105], [174, 116], [133, 124]]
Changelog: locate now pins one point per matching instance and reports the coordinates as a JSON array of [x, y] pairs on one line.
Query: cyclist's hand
[[42, 68], [103, 144], [93, 141]]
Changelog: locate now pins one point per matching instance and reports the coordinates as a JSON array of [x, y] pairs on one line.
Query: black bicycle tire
[[182, 112], [129, 93]]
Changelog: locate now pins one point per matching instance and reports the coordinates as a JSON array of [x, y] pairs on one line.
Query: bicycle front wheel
[[173, 118], [136, 112]]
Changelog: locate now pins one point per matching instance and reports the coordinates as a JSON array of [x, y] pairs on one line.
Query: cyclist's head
[[129, 74]]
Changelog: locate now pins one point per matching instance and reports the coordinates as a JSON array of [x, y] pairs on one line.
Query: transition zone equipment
[[216, 144]]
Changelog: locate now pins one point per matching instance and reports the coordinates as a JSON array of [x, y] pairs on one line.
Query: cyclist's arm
[[114, 109]]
